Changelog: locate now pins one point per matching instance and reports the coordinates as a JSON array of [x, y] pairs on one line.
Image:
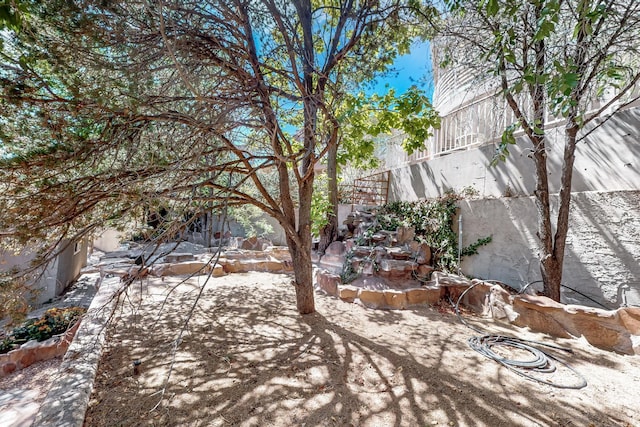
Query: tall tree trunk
[[303, 277], [555, 260], [329, 232], [300, 249], [551, 276], [550, 266], [554, 273]]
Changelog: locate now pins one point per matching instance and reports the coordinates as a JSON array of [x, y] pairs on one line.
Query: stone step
[[174, 257]]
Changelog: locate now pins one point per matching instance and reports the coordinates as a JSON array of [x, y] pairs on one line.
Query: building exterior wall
[[56, 276], [607, 160], [109, 240], [603, 250], [70, 262], [602, 257]]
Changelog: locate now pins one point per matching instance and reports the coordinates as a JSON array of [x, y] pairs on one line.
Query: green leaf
[[492, 7], [545, 30]]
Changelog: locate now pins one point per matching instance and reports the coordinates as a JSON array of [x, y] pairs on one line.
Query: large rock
[[424, 271], [615, 330], [331, 262], [254, 243], [250, 243], [395, 299], [630, 319], [281, 253], [424, 295], [348, 293], [336, 248], [370, 282], [450, 280], [120, 254], [405, 234], [367, 268], [217, 271], [230, 265], [28, 358], [372, 298], [328, 282], [8, 368], [397, 269], [534, 312], [246, 265], [423, 254], [454, 284], [176, 257], [180, 269]]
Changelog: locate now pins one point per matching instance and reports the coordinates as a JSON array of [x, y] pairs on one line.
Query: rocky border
[[66, 402], [33, 351], [613, 330]]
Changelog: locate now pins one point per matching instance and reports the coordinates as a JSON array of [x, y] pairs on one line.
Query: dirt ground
[[248, 359]]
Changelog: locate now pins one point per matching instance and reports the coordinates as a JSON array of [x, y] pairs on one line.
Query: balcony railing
[[478, 122]]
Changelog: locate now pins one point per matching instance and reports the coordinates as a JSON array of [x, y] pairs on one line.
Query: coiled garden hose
[[541, 361]]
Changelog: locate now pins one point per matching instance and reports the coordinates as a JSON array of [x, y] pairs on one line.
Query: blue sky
[[411, 69]]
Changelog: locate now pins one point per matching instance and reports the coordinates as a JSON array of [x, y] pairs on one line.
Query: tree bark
[[548, 264], [329, 232], [550, 268], [300, 249], [303, 277], [551, 271], [554, 268]]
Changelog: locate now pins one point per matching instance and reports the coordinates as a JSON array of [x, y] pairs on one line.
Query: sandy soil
[[248, 359], [22, 392], [33, 377]]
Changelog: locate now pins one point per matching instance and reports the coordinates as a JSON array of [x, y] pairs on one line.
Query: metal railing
[[475, 123]]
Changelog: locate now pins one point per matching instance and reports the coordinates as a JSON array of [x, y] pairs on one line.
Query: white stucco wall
[[607, 160], [602, 258], [109, 240], [603, 252], [51, 280]]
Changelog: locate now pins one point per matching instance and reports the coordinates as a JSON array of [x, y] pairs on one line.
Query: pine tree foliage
[[110, 109]]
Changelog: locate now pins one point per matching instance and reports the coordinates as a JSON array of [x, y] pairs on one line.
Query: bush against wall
[[432, 220], [15, 297], [53, 322]]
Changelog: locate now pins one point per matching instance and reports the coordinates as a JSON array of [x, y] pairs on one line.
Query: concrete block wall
[[603, 250], [602, 257]]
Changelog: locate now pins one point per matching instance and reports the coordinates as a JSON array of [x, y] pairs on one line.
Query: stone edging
[[66, 402], [34, 351], [613, 330]]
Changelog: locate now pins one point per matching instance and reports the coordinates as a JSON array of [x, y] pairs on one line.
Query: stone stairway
[[389, 258]]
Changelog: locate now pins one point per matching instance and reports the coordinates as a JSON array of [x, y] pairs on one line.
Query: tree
[[362, 119], [549, 58], [109, 108]]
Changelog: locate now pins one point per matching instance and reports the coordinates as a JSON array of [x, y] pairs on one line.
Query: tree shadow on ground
[[247, 358]]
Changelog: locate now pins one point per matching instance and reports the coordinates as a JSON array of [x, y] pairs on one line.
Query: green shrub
[[432, 220], [53, 322]]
